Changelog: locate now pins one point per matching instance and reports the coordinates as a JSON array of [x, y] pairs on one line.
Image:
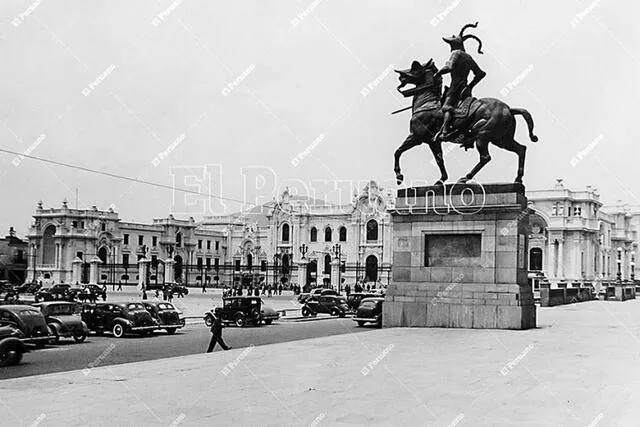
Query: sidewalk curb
[[310, 319]]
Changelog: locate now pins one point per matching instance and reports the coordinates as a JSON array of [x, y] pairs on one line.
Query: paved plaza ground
[[578, 368]]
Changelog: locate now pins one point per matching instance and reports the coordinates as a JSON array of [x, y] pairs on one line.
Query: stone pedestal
[[76, 270], [459, 258], [168, 271], [93, 270], [143, 268]]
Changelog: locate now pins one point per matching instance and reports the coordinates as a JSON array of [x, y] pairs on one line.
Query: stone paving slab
[[578, 368]]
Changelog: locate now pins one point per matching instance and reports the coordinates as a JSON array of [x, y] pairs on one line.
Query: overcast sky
[[145, 88]]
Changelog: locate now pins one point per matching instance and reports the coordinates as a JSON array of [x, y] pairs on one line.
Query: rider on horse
[[459, 65]]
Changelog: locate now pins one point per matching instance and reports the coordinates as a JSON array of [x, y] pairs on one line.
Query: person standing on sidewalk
[[216, 332], [119, 285]]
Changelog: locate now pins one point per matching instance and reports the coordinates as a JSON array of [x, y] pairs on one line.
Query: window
[[237, 265], [208, 245], [199, 244], [199, 261], [372, 230], [327, 264], [125, 260], [343, 234], [561, 210], [79, 254], [569, 211], [577, 211], [263, 265], [216, 263], [535, 259], [217, 245], [208, 263], [81, 224], [140, 240], [314, 234], [154, 261], [554, 209], [103, 227], [74, 224], [327, 234], [154, 241], [178, 239], [285, 232], [126, 239]]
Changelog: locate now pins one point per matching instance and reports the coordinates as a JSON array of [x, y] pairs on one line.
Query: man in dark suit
[[216, 332]]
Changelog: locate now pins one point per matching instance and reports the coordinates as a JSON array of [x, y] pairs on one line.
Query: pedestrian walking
[[280, 289], [347, 289], [144, 294], [204, 287], [119, 285], [104, 292], [216, 332]]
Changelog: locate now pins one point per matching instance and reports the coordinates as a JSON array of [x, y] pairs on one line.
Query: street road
[[106, 350]]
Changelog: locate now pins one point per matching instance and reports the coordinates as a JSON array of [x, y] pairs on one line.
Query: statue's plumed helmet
[[457, 42]]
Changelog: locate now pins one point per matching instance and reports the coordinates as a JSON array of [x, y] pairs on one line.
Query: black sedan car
[[328, 304], [118, 318], [303, 297], [241, 310], [11, 346], [370, 311], [29, 321], [353, 300], [64, 320], [166, 314], [60, 292]]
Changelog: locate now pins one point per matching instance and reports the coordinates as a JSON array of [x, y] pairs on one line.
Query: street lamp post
[[337, 252], [303, 250]]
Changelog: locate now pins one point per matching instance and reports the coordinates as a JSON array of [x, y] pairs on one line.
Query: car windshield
[[60, 309], [165, 306], [29, 312], [368, 304], [135, 306]]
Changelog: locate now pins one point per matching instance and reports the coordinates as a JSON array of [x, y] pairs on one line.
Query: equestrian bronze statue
[[455, 115]]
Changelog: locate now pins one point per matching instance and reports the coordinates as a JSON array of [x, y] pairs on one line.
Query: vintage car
[[240, 310], [166, 314], [178, 288], [315, 292], [59, 292], [329, 304], [369, 311], [11, 346], [353, 299], [118, 318], [91, 293], [28, 288], [64, 320], [29, 321]]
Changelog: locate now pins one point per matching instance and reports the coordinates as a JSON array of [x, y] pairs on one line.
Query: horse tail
[[527, 118]]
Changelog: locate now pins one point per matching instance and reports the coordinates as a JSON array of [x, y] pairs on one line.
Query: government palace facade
[[298, 241]]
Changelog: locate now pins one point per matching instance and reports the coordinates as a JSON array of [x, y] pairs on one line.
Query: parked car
[[329, 304], [369, 311], [177, 288], [28, 288], [64, 320], [90, 293], [240, 310], [118, 318], [29, 321], [166, 314], [353, 300], [11, 346], [59, 292], [315, 292]]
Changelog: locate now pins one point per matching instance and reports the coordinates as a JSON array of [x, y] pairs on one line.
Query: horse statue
[[476, 122]]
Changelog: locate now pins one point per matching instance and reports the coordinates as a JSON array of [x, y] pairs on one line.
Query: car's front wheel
[[360, 323], [171, 331], [10, 354], [208, 320], [268, 321], [335, 312], [306, 312], [118, 330], [240, 320], [80, 338]]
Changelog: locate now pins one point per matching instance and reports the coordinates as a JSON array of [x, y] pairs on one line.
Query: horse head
[[421, 77]]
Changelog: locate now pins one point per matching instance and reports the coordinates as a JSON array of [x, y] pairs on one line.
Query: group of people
[[268, 290], [360, 287]]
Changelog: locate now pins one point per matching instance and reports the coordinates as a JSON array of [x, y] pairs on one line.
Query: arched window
[[535, 259], [249, 261], [343, 234], [178, 239], [327, 264], [371, 269], [314, 234], [372, 230], [285, 232], [102, 254], [48, 245], [327, 234]]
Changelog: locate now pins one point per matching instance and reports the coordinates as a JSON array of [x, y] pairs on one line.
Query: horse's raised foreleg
[[408, 144], [436, 149], [482, 145]]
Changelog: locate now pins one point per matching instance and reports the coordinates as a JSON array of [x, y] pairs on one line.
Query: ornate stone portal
[[459, 258]]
